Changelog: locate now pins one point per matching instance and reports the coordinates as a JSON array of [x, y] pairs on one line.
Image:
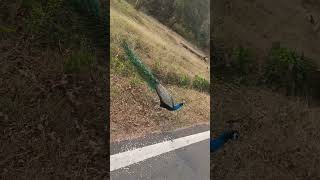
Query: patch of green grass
[[121, 67], [201, 83], [135, 81], [185, 81]]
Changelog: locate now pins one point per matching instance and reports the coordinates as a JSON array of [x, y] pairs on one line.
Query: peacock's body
[[166, 100], [217, 143]]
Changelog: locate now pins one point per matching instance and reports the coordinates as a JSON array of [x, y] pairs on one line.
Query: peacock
[[217, 143], [166, 100]]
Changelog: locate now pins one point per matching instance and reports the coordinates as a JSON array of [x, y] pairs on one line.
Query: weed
[[286, 68], [184, 81], [201, 83], [121, 67], [135, 81], [172, 78]]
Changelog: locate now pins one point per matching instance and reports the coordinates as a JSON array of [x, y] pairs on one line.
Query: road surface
[[187, 161]]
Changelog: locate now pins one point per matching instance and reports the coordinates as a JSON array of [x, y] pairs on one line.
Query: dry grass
[[52, 123], [151, 41], [135, 109]]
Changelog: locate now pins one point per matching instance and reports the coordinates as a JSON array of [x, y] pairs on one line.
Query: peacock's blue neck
[[177, 106], [217, 143]]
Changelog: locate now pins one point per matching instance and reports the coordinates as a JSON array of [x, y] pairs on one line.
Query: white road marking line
[[127, 158]]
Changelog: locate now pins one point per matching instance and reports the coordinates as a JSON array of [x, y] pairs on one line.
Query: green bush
[[286, 68], [184, 81], [201, 84]]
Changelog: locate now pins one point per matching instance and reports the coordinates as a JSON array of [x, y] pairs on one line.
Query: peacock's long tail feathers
[[143, 71]]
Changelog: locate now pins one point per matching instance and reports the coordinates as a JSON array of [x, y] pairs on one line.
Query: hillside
[[189, 18], [135, 108], [279, 137]]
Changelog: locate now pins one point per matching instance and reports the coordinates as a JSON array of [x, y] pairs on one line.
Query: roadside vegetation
[[284, 69]]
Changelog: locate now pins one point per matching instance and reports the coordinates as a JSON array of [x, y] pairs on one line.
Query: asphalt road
[[190, 162]]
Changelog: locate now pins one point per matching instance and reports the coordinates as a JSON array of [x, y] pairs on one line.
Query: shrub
[[201, 84], [184, 81], [286, 68]]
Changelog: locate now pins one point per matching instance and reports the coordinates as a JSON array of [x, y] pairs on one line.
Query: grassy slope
[[134, 108]]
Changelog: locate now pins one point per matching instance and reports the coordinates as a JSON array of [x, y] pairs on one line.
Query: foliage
[[286, 68], [135, 81], [121, 67], [201, 83], [185, 81]]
